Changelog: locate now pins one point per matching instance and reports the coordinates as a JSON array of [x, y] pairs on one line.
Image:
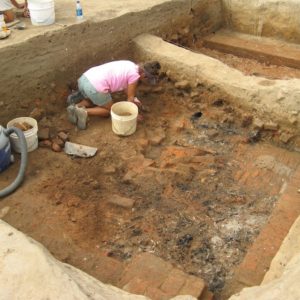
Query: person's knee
[[108, 105]]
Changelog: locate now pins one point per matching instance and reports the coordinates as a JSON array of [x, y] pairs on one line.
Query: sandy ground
[[65, 15]]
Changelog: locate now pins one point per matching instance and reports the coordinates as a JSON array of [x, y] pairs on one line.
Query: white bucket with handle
[[31, 136], [124, 118], [41, 12]]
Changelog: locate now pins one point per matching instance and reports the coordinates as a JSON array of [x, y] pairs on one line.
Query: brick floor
[[157, 279], [258, 259]]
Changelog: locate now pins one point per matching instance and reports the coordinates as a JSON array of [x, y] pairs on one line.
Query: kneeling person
[[96, 85]]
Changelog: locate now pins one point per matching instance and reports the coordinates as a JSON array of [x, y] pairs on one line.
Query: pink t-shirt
[[113, 76]]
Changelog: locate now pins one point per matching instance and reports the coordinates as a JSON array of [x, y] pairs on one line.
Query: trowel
[[79, 150]]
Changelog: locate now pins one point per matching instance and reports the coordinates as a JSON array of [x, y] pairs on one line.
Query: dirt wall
[[270, 18], [37, 71]]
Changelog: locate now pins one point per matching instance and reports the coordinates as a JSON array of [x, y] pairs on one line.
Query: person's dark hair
[[151, 70], [152, 67]]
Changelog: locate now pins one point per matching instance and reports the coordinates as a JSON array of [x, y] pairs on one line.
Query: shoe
[[72, 117], [74, 98], [82, 115]]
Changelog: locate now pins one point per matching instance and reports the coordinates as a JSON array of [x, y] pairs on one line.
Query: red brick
[[147, 267], [136, 286], [194, 286], [174, 282], [121, 201], [156, 294]]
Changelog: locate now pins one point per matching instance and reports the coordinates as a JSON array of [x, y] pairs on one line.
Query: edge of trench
[[271, 100]]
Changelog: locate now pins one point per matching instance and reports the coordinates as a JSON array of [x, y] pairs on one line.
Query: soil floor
[[202, 183], [247, 66]]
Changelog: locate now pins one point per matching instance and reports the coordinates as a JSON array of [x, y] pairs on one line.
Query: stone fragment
[[157, 89], [183, 85], [109, 170], [180, 124], [4, 211], [271, 126], [293, 120], [246, 120], [258, 124], [121, 201], [63, 136], [37, 113], [254, 136], [58, 141], [44, 134], [285, 137], [129, 176], [45, 144], [73, 201], [56, 148], [194, 94], [157, 137], [143, 143]]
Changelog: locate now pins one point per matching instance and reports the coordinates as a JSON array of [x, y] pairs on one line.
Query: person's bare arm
[[131, 90], [17, 5]]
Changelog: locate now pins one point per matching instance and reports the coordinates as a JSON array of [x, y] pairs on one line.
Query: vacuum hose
[[15, 184]]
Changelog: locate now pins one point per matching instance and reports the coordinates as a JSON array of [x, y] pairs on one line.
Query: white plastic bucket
[[124, 118], [31, 136], [41, 12]]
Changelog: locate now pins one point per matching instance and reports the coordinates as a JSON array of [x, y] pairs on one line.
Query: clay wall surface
[[39, 62], [270, 18]]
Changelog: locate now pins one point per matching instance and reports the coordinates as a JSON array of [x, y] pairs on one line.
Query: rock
[[109, 170], [212, 133], [194, 94], [246, 120], [157, 89], [73, 201], [182, 85], [58, 141], [129, 176], [174, 37], [218, 102], [271, 126], [157, 137], [121, 201], [56, 148], [63, 136], [44, 134], [143, 143], [293, 120], [4, 211], [285, 137], [258, 124], [254, 136], [45, 144], [37, 113], [180, 125]]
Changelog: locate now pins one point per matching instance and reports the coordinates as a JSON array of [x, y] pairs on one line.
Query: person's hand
[[137, 102], [140, 118], [21, 5]]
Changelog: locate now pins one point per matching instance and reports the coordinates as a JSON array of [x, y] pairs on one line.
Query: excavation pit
[[199, 184], [198, 190]]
